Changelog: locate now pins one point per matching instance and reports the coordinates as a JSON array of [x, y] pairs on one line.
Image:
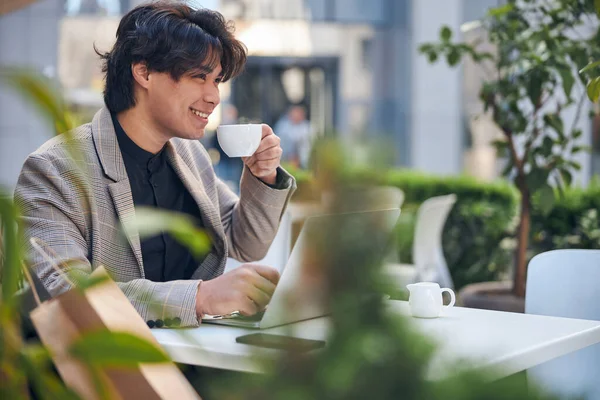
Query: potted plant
[[530, 79]]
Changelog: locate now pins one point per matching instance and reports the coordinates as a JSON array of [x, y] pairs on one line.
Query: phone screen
[[280, 342]]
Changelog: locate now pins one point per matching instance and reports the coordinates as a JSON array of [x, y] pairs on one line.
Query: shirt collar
[[139, 155]]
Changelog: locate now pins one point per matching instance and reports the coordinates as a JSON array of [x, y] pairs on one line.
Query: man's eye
[[218, 80], [201, 76]]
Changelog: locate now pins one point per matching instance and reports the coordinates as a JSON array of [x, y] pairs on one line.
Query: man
[[142, 149], [295, 133]]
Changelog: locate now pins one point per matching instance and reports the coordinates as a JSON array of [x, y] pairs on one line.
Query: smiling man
[[142, 149]]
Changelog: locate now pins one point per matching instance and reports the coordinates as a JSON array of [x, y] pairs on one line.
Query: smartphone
[[280, 342]]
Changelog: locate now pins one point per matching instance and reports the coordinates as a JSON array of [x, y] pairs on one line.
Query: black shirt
[[154, 183]]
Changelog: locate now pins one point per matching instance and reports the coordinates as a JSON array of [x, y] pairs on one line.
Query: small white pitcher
[[426, 299]]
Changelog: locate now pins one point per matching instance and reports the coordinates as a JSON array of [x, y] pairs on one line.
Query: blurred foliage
[[572, 223], [372, 352], [530, 77], [25, 365], [591, 70]]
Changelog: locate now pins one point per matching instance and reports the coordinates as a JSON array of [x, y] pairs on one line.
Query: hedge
[[484, 215], [475, 227]]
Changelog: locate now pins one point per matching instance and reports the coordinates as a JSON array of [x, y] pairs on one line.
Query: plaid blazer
[[81, 219]]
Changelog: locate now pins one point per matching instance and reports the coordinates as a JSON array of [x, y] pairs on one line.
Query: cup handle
[[452, 296]]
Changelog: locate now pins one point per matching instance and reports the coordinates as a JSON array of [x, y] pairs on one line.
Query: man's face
[[181, 108], [297, 115]]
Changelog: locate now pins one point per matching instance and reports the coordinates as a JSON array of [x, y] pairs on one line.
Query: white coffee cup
[[426, 299], [239, 140]]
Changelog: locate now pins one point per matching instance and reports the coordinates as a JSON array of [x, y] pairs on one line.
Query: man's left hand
[[264, 162]]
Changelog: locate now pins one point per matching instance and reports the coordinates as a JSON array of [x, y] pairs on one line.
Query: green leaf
[[41, 95], [567, 177], [453, 57], [567, 81], [150, 221], [426, 48], [547, 146], [555, 122], [546, 199], [590, 66], [92, 281], [432, 56], [115, 349], [593, 89], [445, 33], [577, 133], [501, 146], [578, 149], [535, 82], [37, 366], [10, 254], [500, 11], [536, 179], [597, 7]]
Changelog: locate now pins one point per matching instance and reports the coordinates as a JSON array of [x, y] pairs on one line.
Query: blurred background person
[[294, 130]]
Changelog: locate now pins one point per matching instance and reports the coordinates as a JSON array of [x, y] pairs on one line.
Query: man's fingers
[[269, 154], [247, 306], [260, 298], [266, 130], [265, 285], [269, 273]]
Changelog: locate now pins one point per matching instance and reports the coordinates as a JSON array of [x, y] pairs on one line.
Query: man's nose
[[212, 95]]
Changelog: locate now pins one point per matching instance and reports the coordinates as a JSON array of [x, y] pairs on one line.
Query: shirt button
[[159, 323]]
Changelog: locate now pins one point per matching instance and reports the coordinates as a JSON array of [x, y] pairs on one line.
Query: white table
[[498, 342]]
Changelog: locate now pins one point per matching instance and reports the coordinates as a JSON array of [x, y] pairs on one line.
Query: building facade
[[353, 64]]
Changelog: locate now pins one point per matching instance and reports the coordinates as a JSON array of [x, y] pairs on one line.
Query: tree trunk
[[520, 276]]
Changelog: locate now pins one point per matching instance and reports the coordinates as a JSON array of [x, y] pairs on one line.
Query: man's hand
[[264, 162], [247, 289]]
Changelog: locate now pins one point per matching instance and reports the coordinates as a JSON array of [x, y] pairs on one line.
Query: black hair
[[169, 37]]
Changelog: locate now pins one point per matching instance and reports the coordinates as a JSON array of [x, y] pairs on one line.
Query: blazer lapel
[[109, 153]]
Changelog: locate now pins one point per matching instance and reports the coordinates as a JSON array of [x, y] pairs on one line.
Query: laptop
[[299, 295]]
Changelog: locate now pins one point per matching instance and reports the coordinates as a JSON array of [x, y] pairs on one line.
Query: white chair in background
[[427, 252], [280, 248], [566, 283]]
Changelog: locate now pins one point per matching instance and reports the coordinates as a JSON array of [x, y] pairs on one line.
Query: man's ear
[[140, 74]]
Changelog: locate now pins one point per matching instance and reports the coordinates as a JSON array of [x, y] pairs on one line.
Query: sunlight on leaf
[[150, 222], [500, 11], [11, 262], [116, 349], [593, 89], [92, 281], [589, 67], [39, 93]]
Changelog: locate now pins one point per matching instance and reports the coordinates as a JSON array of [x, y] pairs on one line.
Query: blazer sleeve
[[53, 209], [251, 221]]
